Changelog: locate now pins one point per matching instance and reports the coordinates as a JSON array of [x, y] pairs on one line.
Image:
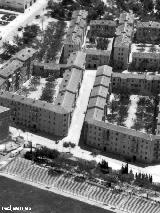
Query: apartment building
[[136, 83], [17, 70], [107, 137], [18, 5], [148, 32], [96, 58], [76, 33], [121, 52], [4, 123], [146, 61], [125, 29], [41, 116], [76, 60], [102, 28], [48, 69]]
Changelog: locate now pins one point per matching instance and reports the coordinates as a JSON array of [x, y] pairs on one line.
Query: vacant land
[[18, 194]]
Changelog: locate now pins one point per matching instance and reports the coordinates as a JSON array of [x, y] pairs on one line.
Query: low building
[[121, 52], [4, 123], [148, 32], [18, 5], [76, 33], [102, 28]]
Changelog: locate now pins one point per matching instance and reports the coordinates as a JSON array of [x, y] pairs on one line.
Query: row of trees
[[64, 9], [42, 153]]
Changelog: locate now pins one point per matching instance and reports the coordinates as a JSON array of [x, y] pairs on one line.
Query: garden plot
[[146, 115]]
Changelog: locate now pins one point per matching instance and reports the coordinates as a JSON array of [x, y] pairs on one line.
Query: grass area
[[41, 201], [146, 115], [118, 109]]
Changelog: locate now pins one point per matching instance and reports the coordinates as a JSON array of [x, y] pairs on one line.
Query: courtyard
[[132, 111]]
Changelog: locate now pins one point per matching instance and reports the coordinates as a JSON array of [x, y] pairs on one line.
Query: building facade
[[148, 32], [18, 5], [121, 52], [102, 28], [4, 123], [75, 35], [107, 137]]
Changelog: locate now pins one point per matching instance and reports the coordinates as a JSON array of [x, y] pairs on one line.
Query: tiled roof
[[25, 54], [103, 22], [99, 91], [77, 60], [71, 80], [34, 103], [126, 17], [94, 113], [124, 29], [104, 70], [154, 55], [102, 80], [151, 24], [3, 109], [9, 68], [65, 100], [97, 102], [91, 51], [122, 41]]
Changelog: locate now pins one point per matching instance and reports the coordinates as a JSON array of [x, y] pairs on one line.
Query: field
[[17, 194]]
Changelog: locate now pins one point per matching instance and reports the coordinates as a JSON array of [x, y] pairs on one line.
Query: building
[[41, 116], [48, 69], [143, 61], [96, 58], [102, 28], [121, 52], [4, 123], [76, 60], [148, 32], [107, 137], [18, 69], [17, 5], [136, 83], [76, 33], [125, 29]]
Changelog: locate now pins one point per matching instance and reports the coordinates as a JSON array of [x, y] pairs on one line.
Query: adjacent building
[[148, 32], [121, 52], [4, 123], [107, 137], [102, 28], [17, 5], [76, 33]]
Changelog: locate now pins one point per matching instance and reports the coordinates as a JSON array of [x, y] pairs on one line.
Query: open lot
[[19, 194]]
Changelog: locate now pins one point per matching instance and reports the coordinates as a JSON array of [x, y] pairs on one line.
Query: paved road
[[22, 20]]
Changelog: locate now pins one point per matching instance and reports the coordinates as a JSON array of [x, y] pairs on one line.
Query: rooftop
[[25, 54], [77, 60], [34, 103], [124, 29], [150, 24], [103, 22], [104, 70], [122, 41], [9, 68], [126, 17], [3, 109], [91, 51]]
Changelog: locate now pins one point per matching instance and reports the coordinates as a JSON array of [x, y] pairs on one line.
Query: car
[[20, 28]]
